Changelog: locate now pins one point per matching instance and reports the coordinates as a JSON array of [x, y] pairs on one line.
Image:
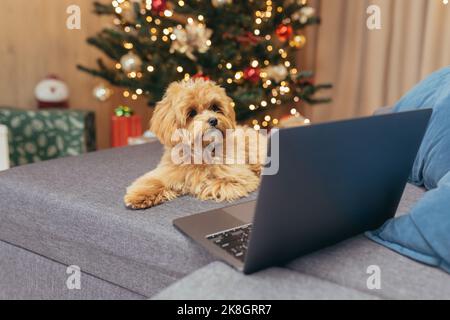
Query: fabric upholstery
[[27, 276], [71, 210], [219, 281]]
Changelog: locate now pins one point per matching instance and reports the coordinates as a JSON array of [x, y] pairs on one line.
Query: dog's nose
[[212, 122]]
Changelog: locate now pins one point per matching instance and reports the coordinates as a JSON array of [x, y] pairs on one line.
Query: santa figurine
[[52, 92]]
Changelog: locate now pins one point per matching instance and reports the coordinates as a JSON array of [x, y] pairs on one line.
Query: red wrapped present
[[124, 125]]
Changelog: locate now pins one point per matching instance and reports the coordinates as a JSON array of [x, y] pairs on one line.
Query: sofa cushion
[[71, 210], [221, 282], [324, 274], [433, 159]]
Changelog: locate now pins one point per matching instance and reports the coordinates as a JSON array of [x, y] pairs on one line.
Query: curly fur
[[219, 182]]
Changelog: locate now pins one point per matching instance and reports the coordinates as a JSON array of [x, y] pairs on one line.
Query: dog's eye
[[192, 113], [215, 108]]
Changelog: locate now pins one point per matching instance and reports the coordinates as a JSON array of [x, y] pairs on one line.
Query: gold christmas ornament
[[130, 62], [220, 3], [298, 41], [102, 92]]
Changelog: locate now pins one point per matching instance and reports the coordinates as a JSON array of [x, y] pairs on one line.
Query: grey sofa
[[69, 212]]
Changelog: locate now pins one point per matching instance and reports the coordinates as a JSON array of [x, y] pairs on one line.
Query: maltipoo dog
[[189, 111]]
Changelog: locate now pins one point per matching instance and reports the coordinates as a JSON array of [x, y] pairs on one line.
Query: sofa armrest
[[218, 281]]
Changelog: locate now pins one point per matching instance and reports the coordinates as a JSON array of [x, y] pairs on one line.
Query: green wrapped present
[[36, 135]]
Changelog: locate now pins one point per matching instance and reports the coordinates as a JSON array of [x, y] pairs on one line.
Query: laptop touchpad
[[243, 212]]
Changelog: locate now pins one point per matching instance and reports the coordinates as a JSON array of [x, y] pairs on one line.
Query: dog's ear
[[164, 120]]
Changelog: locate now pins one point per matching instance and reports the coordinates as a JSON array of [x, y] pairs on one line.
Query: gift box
[[123, 128], [36, 135]]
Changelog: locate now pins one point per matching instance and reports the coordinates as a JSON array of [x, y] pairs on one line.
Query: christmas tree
[[248, 47]]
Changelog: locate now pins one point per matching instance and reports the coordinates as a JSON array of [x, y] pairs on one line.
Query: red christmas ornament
[[252, 74], [159, 6], [201, 75], [284, 32]]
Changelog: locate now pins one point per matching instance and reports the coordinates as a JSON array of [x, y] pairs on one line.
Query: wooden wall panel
[[35, 42]]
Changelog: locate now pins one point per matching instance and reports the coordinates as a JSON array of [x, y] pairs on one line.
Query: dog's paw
[[143, 197], [228, 190]]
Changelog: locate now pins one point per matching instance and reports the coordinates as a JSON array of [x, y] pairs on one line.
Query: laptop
[[335, 180]]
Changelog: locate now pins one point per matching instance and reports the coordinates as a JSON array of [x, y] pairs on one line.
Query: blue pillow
[[424, 234], [433, 158]]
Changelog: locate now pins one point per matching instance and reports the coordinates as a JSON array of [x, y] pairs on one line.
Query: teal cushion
[[424, 234], [433, 158]]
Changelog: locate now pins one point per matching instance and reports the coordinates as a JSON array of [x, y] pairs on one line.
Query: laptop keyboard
[[234, 241]]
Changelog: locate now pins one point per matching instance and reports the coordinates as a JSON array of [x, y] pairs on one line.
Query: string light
[[238, 75]]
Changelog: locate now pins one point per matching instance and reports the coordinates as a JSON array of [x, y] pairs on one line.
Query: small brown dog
[[184, 105]]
